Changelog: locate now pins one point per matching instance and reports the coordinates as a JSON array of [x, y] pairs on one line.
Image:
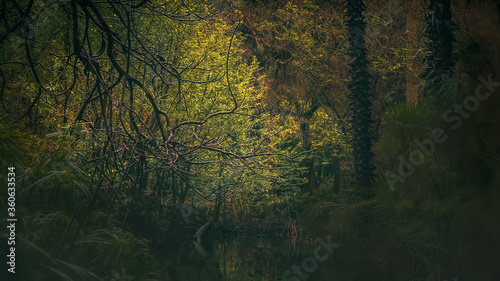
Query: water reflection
[[239, 259]]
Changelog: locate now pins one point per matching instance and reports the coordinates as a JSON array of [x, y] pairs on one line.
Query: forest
[[258, 140]]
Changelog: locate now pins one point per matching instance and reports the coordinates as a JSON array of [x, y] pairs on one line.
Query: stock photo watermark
[[11, 220], [453, 116]]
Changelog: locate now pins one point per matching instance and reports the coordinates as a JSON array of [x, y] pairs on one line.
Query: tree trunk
[[336, 176], [308, 161], [412, 65], [439, 31], [360, 93]]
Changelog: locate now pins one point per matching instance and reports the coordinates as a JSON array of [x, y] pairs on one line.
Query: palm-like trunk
[[439, 31], [359, 88]]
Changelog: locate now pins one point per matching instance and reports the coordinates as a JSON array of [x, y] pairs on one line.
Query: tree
[[359, 87], [412, 65], [154, 97], [439, 31], [298, 45], [157, 77]]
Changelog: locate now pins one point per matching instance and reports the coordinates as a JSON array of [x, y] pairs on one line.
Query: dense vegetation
[[240, 140]]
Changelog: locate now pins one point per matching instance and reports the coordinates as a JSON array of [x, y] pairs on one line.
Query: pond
[[256, 258]]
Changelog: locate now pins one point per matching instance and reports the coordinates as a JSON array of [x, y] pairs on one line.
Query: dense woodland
[[256, 140]]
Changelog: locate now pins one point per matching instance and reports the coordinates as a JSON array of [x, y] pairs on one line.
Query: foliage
[[53, 238], [188, 140]]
